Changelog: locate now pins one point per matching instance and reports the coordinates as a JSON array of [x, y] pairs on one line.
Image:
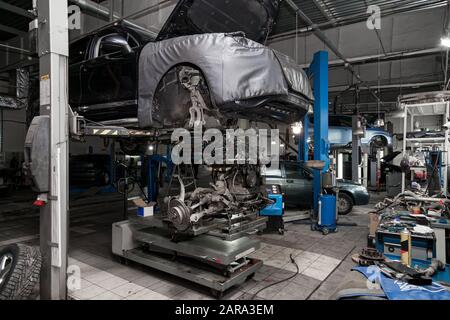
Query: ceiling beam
[[14, 31], [322, 36], [17, 10], [387, 86], [389, 56], [356, 18]]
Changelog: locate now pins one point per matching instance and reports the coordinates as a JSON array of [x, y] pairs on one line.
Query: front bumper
[[361, 198]]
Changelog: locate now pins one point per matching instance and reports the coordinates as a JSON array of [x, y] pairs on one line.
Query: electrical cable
[[337, 267], [281, 281]]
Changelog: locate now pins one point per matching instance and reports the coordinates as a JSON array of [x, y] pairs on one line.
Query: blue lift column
[[319, 71]]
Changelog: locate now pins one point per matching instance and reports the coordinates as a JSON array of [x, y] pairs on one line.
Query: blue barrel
[[328, 212]]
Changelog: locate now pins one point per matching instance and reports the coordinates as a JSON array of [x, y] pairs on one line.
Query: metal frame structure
[[53, 67], [422, 109]]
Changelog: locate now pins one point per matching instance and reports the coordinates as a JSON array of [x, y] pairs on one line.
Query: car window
[[78, 49], [296, 171], [272, 172]]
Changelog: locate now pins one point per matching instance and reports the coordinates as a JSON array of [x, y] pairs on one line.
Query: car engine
[[235, 192]]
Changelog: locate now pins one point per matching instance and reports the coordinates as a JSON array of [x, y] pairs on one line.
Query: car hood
[[255, 18]]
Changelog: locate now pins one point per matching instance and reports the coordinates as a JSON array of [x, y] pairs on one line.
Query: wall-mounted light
[[297, 128]]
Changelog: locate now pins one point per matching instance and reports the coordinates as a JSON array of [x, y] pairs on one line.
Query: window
[[272, 172], [77, 51], [296, 171], [293, 171]]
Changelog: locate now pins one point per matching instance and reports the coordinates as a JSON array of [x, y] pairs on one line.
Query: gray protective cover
[[235, 69]]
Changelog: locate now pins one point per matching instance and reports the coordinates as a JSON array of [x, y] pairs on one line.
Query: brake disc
[[179, 214]]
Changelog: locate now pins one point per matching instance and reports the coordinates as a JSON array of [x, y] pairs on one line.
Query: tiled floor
[[323, 261]]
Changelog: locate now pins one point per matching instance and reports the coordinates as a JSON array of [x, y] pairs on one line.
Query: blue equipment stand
[[275, 211], [153, 163], [325, 213]]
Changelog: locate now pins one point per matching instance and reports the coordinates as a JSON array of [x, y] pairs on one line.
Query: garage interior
[[92, 195]]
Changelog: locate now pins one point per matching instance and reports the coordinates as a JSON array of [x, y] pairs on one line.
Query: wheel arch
[[384, 139], [348, 193], [146, 101], [187, 64]]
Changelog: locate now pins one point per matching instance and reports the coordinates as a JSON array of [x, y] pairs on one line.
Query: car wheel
[[20, 268], [345, 204]]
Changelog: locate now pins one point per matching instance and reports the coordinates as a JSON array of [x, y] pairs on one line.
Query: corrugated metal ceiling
[[329, 13], [325, 13]]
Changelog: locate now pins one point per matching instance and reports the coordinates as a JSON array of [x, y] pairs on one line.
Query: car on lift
[[121, 75], [296, 182], [340, 133]]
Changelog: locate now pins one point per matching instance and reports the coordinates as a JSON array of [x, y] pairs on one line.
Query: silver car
[[340, 133]]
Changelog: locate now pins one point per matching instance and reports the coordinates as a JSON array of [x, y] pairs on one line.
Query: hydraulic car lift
[[214, 256]]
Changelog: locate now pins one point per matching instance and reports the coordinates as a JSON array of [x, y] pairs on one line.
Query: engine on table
[[234, 192]]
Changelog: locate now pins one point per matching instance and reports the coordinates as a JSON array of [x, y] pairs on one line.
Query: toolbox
[[423, 247]]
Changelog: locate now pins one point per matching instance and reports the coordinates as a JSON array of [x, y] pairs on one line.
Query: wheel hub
[[343, 205], [179, 214]]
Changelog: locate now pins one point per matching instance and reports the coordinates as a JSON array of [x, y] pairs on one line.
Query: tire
[[20, 268], [345, 204]]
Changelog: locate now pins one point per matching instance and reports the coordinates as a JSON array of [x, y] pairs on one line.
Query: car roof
[[120, 25]]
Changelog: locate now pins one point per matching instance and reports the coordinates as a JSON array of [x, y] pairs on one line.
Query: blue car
[[340, 134]]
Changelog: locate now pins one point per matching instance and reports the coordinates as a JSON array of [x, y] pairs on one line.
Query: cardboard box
[[145, 209]]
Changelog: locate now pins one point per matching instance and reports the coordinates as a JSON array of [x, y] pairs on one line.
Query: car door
[[274, 176], [109, 77], [298, 185]]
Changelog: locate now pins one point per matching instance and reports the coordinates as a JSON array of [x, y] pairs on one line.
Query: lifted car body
[[120, 75], [340, 134]]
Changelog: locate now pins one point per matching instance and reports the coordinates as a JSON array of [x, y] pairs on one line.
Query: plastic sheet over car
[[235, 69]]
